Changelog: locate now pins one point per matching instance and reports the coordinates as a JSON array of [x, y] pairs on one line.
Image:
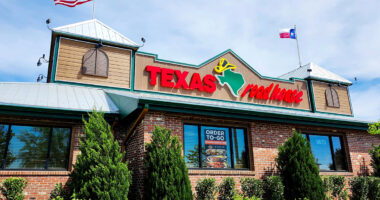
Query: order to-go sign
[[215, 137]]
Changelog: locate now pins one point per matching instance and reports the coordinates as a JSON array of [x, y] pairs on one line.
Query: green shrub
[[252, 187], [374, 188], [13, 188], [242, 197], [334, 187], [359, 188], [375, 160], [273, 188], [59, 192], [167, 176], [227, 189], [206, 189], [99, 172], [298, 170]]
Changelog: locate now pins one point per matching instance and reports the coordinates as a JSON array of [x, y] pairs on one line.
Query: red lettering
[[281, 96], [181, 82], [253, 91], [267, 91], [298, 97], [209, 83], [260, 92], [167, 77], [153, 73], [288, 96], [246, 90], [196, 82], [275, 92], [293, 97]]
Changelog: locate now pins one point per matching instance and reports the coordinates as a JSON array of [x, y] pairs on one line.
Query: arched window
[[332, 97], [95, 62]]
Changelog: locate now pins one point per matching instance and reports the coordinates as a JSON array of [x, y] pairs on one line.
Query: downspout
[[311, 96], [134, 125]]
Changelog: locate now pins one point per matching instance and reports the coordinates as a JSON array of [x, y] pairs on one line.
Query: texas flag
[[288, 33]]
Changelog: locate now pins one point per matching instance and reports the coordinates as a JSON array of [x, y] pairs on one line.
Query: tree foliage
[[167, 176], [298, 170], [375, 160], [374, 128], [99, 172]]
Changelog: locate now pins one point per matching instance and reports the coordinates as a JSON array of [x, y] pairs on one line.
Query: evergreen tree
[[375, 160], [298, 170], [99, 172], [167, 176]]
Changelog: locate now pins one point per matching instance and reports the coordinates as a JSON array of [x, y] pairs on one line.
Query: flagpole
[[298, 48], [93, 9]]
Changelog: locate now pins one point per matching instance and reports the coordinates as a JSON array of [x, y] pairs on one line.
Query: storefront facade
[[229, 118]]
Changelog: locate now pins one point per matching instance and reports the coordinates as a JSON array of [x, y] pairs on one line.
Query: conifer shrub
[[206, 189], [167, 176], [273, 188], [374, 188], [298, 170], [13, 188], [375, 160], [252, 187], [359, 188], [226, 189], [99, 172], [242, 197]]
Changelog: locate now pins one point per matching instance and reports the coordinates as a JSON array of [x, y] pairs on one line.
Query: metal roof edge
[[249, 114]]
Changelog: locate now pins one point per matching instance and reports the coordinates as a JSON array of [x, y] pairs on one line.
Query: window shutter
[[332, 98], [95, 62]]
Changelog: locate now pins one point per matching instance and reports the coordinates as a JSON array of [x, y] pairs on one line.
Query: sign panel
[[216, 148], [224, 78]]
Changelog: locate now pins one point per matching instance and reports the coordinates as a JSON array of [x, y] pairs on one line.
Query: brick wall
[[264, 138]]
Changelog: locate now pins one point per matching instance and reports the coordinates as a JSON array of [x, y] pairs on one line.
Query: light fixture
[[143, 41], [47, 24], [41, 77], [99, 45], [42, 60]]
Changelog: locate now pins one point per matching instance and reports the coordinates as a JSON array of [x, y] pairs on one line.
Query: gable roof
[[313, 71], [95, 29]]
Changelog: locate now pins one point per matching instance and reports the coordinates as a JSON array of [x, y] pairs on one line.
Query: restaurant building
[[228, 116]]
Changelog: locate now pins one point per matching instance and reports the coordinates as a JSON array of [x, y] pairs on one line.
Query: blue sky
[[341, 36]]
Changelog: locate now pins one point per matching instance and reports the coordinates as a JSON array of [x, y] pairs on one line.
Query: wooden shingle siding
[[321, 101], [69, 65]]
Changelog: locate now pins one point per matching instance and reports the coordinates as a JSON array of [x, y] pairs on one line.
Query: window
[[95, 62], [332, 97], [215, 147], [328, 152], [33, 147]]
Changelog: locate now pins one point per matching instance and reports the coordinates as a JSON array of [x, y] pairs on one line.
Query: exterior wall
[[319, 89], [263, 140], [69, 65], [41, 183], [142, 79]]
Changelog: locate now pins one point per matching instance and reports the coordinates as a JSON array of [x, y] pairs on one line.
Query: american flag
[[71, 3]]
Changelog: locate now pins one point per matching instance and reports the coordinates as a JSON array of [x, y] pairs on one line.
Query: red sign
[[177, 79], [278, 94], [206, 84]]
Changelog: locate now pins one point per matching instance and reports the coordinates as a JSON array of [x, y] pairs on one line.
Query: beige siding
[[321, 103], [70, 63], [222, 92]]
